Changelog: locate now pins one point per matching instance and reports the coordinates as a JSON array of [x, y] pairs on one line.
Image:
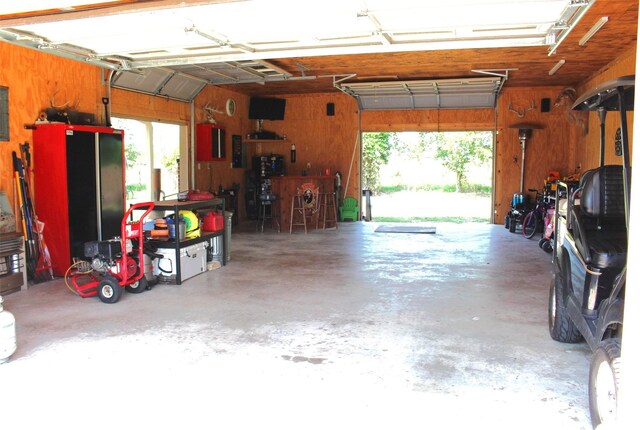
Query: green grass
[[453, 219], [447, 188], [388, 189], [136, 187]]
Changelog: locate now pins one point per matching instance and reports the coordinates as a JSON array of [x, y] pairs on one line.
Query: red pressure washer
[[117, 267]]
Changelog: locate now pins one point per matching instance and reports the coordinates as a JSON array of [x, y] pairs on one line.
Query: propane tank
[[7, 333]]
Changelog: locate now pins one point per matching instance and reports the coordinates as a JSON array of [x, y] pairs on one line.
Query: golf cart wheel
[[109, 290], [137, 287], [530, 225], [512, 225], [604, 377], [547, 246], [561, 328], [506, 221]]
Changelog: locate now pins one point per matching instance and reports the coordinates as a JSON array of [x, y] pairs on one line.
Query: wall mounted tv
[[266, 108]]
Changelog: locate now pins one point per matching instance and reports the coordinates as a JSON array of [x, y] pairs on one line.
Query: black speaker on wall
[[237, 157], [545, 105], [331, 109]]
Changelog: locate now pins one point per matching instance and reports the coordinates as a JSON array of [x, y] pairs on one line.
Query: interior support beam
[[39, 17]]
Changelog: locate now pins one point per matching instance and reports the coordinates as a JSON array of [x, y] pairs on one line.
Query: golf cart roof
[[605, 95]]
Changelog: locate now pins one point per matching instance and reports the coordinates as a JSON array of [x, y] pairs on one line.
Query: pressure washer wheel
[[139, 286], [109, 290]]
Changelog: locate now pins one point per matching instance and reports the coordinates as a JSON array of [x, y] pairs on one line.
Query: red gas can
[[213, 221]]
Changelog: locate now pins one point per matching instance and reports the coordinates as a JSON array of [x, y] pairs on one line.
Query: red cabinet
[[210, 142], [79, 187]]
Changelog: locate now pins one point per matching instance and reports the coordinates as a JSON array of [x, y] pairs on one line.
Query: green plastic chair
[[349, 209]]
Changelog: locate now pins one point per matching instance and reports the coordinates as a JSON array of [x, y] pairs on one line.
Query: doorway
[[153, 152], [429, 176]]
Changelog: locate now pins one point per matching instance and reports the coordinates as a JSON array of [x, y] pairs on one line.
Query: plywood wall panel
[[549, 148], [322, 141], [34, 79], [429, 120], [133, 104], [588, 154], [211, 176]]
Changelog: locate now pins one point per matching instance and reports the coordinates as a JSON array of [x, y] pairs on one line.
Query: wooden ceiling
[[531, 64], [618, 35]]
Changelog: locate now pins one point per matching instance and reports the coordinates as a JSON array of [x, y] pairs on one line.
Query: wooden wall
[[210, 176], [550, 148], [428, 120], [136, 105], [325, 142], [33, 79], [588, 147], [322, 141]]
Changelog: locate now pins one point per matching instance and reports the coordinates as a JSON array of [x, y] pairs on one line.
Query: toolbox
[[193, 261]]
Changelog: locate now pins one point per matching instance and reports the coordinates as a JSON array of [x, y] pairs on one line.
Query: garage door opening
[[149, 146], [428, 176]]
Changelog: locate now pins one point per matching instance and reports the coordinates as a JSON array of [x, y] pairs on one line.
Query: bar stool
[[327, 211], [298, 208], [268, 201]]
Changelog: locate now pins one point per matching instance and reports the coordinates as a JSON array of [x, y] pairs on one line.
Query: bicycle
[[538, 218]]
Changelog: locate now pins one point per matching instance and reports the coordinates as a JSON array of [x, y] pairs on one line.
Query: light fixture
[[550, 39], [597, 26], [555, 68], [571, 16]]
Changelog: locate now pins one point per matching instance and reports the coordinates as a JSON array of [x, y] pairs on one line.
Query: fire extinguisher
[[7, 333]]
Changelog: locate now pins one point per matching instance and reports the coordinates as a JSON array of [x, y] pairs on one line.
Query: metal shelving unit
[[176, 206]]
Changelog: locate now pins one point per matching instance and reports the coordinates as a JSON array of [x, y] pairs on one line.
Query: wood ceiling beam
[[91, 10]]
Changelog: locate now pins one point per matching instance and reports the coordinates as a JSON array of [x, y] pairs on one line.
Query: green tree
[[131, 154], [408, 147], [376, 148], [458, 150]]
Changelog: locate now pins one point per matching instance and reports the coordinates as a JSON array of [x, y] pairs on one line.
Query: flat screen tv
[[266, 108]]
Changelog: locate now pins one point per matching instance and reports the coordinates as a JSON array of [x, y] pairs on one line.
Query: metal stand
[[524, 133]]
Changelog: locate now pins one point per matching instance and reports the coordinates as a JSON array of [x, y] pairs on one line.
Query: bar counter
[[285, 187]]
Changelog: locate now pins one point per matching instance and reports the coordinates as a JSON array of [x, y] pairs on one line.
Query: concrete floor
[[347, 329]]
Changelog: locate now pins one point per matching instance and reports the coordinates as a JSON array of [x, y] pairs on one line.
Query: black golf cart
[[586, 300]]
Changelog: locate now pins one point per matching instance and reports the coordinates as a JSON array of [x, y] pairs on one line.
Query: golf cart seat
[[599, 227]]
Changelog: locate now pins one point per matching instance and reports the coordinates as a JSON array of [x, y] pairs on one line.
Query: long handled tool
[[44, 269], [31, 249]]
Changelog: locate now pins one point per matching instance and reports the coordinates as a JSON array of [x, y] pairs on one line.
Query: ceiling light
[[550, 39], [597, 26], [555, 68], [571, 16]]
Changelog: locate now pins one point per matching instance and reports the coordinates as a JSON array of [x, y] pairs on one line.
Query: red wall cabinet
[[210, 142]]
